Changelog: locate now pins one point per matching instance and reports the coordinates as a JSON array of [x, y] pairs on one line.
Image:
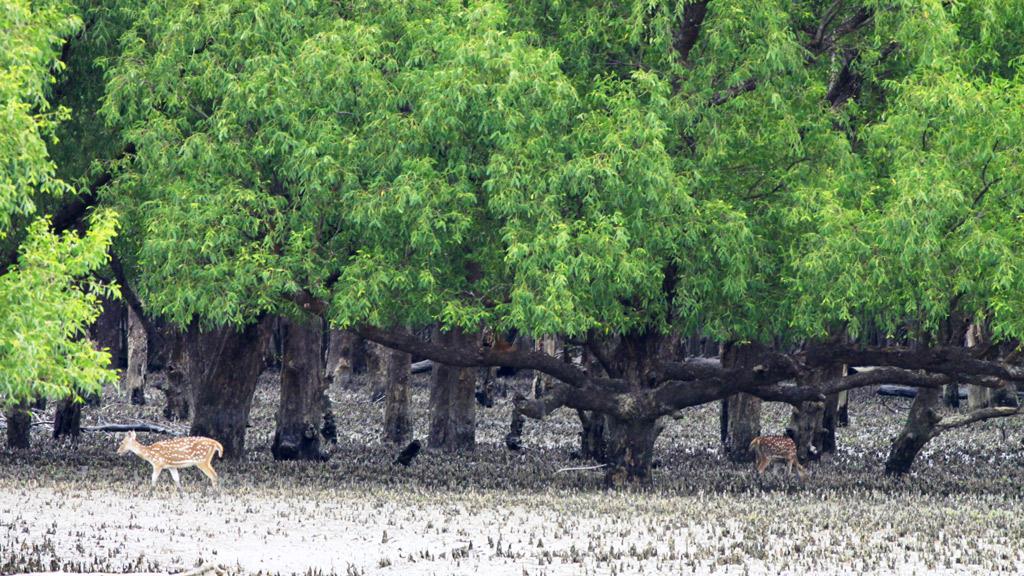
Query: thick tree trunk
[[829, 424], [397, 421], [19, 426], [303, 391], [741, 416], [138, 358], [109, 332], [630, 447], [67, 420], [176, 388], [592, 437], [375, 370], [978, 397], [452, 402], [917, 431], [225, 365], [744, 424], [951, 395], [339, 357], [805, 427]]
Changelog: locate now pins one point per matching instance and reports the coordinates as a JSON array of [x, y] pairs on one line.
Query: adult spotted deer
[[769, 449], [174, 454]]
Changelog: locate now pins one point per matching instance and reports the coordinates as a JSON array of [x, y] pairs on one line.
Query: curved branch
[[950, 422], [477, 356]]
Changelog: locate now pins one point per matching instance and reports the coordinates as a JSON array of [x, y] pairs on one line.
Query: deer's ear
[[131, 434]]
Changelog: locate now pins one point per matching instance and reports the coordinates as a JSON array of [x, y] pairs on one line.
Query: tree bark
[[741, 413], [829, 424], [592, 436], [109, 332], [812, 435], [303, 391], [541, 381], [917, 431], [226, 366], [452, 401], [176, 388], [19, 426], [375, 370], [843, 416], [630, 447], [397, 421], [138, 358], [340, 351], [67, 421]]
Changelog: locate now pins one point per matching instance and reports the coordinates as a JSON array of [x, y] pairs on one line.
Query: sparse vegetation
[[84, 509]]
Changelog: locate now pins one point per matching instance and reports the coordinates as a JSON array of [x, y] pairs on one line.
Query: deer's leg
[[762, 464], [207, 469], [174, 476], [156, 474]]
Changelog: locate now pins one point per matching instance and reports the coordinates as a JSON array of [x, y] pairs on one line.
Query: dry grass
[[498, 512]]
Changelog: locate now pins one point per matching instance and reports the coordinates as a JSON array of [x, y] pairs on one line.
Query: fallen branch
[[422, 366], [140, 427], [574, 468]]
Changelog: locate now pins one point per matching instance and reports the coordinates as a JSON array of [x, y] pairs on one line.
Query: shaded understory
[[504, 512]]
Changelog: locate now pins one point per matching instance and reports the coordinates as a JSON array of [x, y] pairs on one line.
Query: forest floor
[[494, 512]]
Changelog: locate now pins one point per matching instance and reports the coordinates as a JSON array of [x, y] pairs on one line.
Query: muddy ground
[[84, 509]]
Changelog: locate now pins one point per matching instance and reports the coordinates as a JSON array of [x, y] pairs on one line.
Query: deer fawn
[[768, 449], [174, 454]]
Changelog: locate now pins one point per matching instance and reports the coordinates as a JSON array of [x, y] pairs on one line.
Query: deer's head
[[126, 444]]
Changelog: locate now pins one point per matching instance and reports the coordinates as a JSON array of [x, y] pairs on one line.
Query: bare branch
[[950, 422]]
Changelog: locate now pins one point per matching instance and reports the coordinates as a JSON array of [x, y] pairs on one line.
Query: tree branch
[[950, 422], [468, 357], [952, 361], [685, 38]]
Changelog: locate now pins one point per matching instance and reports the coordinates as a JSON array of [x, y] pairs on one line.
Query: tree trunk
[[829, 424], [843, 416], [397, 422], [951, 395], [375, 370], [303, 391], [592, 440], [978, 397], [741, 416], [67, 420], [176, 389], [917, 431], [452, 402], [805, 427], [808, 427], [541, 381], [630, 446], [744, 424], [339, 357], [138, 358], [226, 365], [19, 426], [109, 332]]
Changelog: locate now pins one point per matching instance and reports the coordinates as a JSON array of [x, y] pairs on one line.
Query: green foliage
[[48, 297], [48, 300], [558, 167]]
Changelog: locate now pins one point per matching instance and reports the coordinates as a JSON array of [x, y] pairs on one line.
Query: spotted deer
[[769, 449], [174, 454]]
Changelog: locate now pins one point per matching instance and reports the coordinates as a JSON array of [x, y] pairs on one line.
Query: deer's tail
[[218, 449]]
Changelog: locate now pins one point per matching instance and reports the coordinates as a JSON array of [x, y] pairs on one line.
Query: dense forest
[[650, 205]]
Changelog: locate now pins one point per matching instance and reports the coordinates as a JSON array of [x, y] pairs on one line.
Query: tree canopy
[[48, 295]]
